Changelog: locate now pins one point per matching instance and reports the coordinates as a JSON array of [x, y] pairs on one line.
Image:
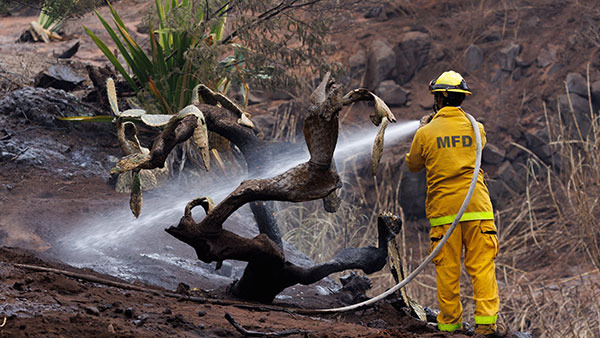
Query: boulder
[[69, 52], [59, 77], [492, 154], [413, 191], [577, 84], [473, 58], [391, 93], [596, 93], [358, 61], [537, 142], [555, 68], [373, 12], [381, 62], [546, 57], [411, 54], [42, 106], [508, 55], [515, 154], [581, 110], [500, 193], [509, 176]]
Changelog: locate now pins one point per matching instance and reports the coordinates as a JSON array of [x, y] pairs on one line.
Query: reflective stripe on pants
[[481, 247]]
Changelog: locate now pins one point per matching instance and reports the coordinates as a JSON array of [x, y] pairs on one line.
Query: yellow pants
[[480, 242]]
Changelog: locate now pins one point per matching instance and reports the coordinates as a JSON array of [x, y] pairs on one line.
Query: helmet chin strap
[[436, 108]]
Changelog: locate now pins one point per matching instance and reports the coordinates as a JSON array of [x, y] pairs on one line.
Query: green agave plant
[[169, 74], [46, 27]]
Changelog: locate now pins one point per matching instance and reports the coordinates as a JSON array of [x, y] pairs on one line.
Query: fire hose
[[443, 241]]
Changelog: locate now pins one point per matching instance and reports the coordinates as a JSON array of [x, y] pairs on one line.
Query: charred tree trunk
[[262, 282], [268, 273]]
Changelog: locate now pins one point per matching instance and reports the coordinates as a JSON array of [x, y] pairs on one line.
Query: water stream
[[119, 244]]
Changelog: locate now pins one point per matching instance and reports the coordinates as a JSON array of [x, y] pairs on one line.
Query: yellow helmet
[[449, 81]]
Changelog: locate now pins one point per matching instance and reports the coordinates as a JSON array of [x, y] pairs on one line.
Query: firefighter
[[445, 146]]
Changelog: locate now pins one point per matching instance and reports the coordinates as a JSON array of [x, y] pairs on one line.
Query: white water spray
[[117, 243]]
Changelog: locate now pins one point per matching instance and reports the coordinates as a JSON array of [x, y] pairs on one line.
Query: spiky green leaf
[[88, 118], [111, 57]]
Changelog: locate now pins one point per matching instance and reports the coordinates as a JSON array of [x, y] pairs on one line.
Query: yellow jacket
[[446, 148]]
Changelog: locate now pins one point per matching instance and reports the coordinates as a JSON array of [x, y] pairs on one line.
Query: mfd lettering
[[454, 141]]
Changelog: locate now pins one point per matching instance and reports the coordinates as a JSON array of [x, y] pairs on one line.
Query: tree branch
[[268, 14]]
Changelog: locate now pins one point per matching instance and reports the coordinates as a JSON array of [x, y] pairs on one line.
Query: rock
[[354, 288], [595, 90], [92, 310], [373, 12], [514, 154], [43, 106], [555, 68], [141, 321], [391, 93], [18, 286], [413, 191], [142, 27], [67, 54], [492, 154], [381, 61], [522, 63], [577, 84], [431, 314], [201, 313], [7, 156], [357, 62], [377, 324], [473, 58], [581, 110], [507, 174], [546, 57], [183, 289], [59, 77], [517, 73], [104, 307], [129, 312], [507, 56], [411, 54], [490, 37], [500, 75], [538, 143]]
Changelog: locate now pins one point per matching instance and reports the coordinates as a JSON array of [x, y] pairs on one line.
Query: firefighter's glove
[[426, 119]]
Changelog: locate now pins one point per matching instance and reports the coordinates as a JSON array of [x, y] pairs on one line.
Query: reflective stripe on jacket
[[446, 148]]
